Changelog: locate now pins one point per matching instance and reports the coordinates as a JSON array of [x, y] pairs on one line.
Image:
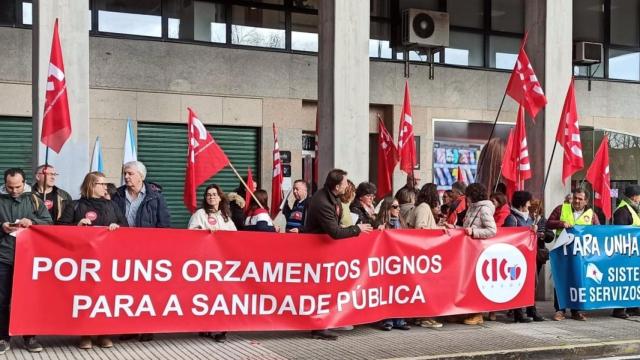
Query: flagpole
[[245, 185], [495, 122], [45, 169], [546, 176]]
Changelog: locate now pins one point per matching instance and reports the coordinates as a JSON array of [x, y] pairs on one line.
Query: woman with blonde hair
[[93, 209]]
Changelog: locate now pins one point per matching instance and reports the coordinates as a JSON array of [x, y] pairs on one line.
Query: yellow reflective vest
[[566, 215], [634, 214]]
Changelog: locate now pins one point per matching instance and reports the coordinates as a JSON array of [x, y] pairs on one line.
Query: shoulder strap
[[36, 201]]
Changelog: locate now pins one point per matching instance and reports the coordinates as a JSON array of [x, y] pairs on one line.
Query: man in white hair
[[143, 205]]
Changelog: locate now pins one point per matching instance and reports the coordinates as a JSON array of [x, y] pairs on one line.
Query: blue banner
[[597, 267]]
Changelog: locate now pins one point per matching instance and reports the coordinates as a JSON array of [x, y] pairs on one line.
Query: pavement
[[600, 336]]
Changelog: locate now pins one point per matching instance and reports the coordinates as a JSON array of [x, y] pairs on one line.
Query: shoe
[[491, 316], [220, 337], [536, 317], [518, 317], [430, 323], [558, 316], [146, 337], [324, 335], [386, 327], [32, 344], [4, 346], [128, 336], [474, 319], [204, 334], [620, 314], [633, 311], [578, 316], [85, 343], [105, 342]]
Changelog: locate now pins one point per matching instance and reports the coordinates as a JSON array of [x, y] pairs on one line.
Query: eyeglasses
[[395, 206], [48, 174]]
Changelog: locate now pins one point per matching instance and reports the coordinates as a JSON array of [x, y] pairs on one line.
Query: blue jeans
[[394, 322]]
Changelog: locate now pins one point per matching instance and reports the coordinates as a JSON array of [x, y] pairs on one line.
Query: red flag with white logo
[[56, 121], [204, 159], [387, 160], [516, 167], [524, 86], [568, 135], [250, 185], [599, 177], [406, 141], [276, 180]]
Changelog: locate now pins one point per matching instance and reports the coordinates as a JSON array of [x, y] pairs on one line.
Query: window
[[27, 15], [588, 20], [7, 12], [465, 49], [466, 13], [615, 24], [504, 52], [379, 36], [507, 15], [257, 27], [196, 20], [625, 29], [142, 17], [304, 32]]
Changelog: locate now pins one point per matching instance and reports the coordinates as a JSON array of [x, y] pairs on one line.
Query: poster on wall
[[452, 161]]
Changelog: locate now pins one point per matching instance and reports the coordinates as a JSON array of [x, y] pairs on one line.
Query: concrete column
[[550, 50], [343, 88], [73, 162]]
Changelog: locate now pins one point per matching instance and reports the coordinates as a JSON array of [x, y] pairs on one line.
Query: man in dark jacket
[[296, 214], [627, 214], [323, 217], [143, 205], [18, 209], [56, 198]]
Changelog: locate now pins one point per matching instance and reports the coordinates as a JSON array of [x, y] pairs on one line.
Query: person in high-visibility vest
[[627, 214], [566, 216]]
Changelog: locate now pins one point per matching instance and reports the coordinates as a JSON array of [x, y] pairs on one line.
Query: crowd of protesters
[[340, 209]]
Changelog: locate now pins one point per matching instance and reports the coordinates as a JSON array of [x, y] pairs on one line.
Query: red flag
[[406, 141], [599, 177], [204, 159], [462, 176], [250, 185], [387, 160], [516, 167], [276, 180], [568, 135], [56, 122], [524, 86]]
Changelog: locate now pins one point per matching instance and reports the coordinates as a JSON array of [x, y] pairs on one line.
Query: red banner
[[88, 280]]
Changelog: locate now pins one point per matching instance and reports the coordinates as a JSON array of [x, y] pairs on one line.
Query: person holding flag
[[566, 216]]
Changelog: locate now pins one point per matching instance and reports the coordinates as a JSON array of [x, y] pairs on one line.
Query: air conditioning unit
[[586, 53], [423, 28]]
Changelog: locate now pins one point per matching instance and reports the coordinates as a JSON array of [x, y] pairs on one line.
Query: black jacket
[[622, 216], [323, 216], [101, 212], [363, 216], [61, 200], [153, 212]]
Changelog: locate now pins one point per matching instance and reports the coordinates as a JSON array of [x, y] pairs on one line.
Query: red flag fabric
[[250, 185], [276, 180], [599, 177], [204, 159], [406, 141], [516, 167], [524, 86], [387, 160], [56, 121], [462, 175], [568, 135]]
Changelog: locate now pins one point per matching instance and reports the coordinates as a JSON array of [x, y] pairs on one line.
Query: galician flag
[[130, 152], [97, 162]]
